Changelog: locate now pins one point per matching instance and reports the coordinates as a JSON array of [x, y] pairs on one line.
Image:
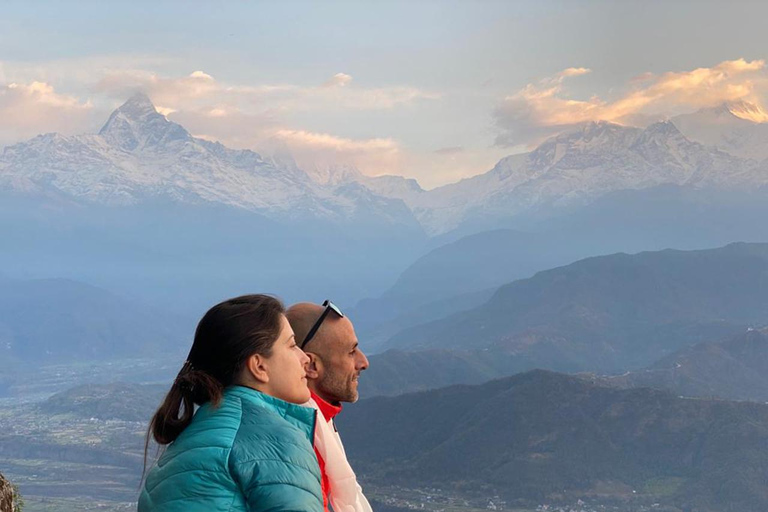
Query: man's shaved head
[[335, 358], [302, 317]]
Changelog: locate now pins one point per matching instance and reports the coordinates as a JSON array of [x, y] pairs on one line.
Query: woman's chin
[[303, 397]]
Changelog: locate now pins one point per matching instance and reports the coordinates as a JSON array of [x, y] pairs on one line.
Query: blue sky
[[433, 90]]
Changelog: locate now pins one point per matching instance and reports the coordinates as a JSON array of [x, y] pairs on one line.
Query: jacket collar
[[295, 414], [329, 410]]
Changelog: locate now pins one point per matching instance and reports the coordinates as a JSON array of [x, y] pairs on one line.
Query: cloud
[[173, 92], [201, 74], [267, 133], [27, 109], [573, 72], [77, 72], [166, 111], [199, 87], [338, 80], [331, 142], [542, 109], [372, 156]]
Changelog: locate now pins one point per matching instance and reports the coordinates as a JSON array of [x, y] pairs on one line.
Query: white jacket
[[345, 494]]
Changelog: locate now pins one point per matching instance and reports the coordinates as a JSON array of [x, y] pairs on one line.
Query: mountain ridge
[[139, 153], [611, 313]]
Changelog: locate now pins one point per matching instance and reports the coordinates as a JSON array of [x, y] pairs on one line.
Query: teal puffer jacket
[[253, 453]]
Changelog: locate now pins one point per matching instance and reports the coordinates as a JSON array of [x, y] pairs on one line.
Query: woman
[[249, 446]]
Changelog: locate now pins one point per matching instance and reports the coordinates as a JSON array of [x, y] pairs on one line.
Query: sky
[[437, 91]]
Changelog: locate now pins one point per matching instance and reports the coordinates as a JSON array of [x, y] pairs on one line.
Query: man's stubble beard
[[337, 389]]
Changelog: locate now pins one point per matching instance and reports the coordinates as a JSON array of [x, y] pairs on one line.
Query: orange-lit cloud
[[544, 108], [27, 109], [267, 133]]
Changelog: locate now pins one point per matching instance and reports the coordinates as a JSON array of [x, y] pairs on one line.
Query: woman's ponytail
[[190, 387]]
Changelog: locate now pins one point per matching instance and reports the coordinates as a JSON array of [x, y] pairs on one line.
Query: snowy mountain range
[[140, 155], [575, 168]]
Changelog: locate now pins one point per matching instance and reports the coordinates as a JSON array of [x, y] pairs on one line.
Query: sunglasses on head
[[329, 306]]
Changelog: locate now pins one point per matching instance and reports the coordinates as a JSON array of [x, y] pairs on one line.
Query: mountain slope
[[738, 128], [396, 372], [612, 313], [58, 320], [542, 437], [735, 369]]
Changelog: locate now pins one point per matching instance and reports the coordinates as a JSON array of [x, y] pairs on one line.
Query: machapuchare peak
[[137, 124]]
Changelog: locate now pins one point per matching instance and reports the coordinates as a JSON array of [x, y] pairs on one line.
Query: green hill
[[117, 401], [736, 369], [544, 437]]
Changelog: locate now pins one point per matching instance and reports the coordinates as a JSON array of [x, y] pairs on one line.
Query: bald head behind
[[302, 317], [335, 358]]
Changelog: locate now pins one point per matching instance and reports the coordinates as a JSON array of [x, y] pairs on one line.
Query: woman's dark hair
[[227, 335]]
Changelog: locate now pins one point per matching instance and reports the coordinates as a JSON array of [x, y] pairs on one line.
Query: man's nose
[[362, 364]]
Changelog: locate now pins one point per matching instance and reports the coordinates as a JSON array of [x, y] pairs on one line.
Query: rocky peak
[[596, 139], [338, 174], [138, 106], [661, 134], [665, 128], [137, 125]]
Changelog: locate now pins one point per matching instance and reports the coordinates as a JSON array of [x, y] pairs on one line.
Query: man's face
[[340, 362]]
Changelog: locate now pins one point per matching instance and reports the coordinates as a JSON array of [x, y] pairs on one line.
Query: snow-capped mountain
[[577, 167], [739, 128], [140, 155]]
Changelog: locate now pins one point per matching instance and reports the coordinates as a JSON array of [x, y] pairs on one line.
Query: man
[[335, 364]]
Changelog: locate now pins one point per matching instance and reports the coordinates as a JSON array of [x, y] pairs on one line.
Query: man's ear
[[257, 367], [314, 367]]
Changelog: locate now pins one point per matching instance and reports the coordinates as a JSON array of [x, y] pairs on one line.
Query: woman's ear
[[257, 369], [314, 367]]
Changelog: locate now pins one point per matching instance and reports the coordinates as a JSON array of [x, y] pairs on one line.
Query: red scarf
[[329, 412]]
